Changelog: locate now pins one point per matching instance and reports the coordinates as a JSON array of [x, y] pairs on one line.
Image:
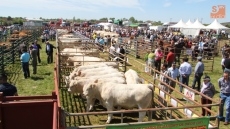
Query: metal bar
[[55, 116], [13, 98], [138, 110]]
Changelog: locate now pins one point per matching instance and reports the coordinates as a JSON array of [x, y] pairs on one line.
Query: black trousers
[[39, 59], [25, 69], [49, 57]]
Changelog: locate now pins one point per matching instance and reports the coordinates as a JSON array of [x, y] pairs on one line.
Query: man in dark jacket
[[38, 50], [49, 52], [6, 88]]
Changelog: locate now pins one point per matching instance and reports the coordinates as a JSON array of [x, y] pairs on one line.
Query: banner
[[197, 123]]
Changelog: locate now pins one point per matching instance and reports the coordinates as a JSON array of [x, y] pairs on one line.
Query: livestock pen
[[166, 107]]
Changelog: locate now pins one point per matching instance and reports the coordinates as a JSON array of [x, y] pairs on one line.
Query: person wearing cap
[[49, 52], [25, 58], [185, 71], [207, 89], [224, 85], [6, 88], [33, 53], [198, 71], [174, 74]]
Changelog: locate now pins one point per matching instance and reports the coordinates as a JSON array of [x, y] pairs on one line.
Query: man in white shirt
[[112, 51], [185, 71], [174, 74]]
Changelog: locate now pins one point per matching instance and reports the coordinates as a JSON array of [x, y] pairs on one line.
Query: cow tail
[[151, 88]]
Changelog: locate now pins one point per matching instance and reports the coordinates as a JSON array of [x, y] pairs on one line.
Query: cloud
[[167, 4], [72, 5]]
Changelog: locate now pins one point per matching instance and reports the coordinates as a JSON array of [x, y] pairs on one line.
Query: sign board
[[218, 11], [196, 123], [173, 102], [188, 112], [189, 94]]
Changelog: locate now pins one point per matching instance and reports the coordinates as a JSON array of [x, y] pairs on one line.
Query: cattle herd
[[95, 79]]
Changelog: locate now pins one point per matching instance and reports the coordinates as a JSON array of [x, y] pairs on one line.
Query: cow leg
[[90, 103], [141, 114], [109, 107]]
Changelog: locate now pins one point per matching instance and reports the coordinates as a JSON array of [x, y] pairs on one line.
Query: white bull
[[123, 95], [132, 77]]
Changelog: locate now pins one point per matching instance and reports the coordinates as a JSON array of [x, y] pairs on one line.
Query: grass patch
[[41, 83]]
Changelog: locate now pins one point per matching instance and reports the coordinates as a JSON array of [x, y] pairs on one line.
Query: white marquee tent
[[193, 29], [216, 26], [189, 23], [180, 24]]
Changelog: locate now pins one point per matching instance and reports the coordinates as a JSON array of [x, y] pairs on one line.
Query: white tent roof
[[180, 24], [196, 25], [216, 25], [189, 23]]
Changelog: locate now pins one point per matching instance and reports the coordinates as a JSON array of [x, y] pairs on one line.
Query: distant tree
[[9, 18], [73, 19], [157, 23], [40, 18], [112, 19], [103, 19], [132, 19], [228, 25], [140, 21]]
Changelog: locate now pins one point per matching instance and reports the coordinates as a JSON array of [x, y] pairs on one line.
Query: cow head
[[88, 89]]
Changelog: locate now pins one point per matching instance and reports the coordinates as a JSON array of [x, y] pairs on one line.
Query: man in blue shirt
[[25, 58], [199, 69], [224, 85], [185, 71], [173, 72]]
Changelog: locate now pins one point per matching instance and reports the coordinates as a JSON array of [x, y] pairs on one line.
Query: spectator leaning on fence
[[6, 88], [25, 58], [224, 85], [199, 69], [185, 71], [207, 89]]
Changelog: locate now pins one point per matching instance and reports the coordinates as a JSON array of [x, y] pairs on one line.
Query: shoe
[[226, 123]]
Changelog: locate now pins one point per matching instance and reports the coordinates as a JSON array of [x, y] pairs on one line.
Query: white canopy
[[196, 25], [216, 25], [189, 23], [180, 24]]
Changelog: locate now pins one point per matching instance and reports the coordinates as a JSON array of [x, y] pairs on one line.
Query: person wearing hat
[[49, 52], [224, 85], [173, 72], [207, 89], [6, 88], [198, 71]]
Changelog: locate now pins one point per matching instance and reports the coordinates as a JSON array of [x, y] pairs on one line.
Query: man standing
[[33, 53], [49, 52], [38, 50], [170, 57], [25, 58], [224, 85], [173, 73], [6, 88], [163, 78], [199, 69], [185, 71]]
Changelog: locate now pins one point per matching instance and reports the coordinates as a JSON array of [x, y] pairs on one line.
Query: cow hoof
[[107, 122]]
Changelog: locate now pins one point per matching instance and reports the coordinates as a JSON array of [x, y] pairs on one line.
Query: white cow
[[124, 95], [132, 77], [80, 59]]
